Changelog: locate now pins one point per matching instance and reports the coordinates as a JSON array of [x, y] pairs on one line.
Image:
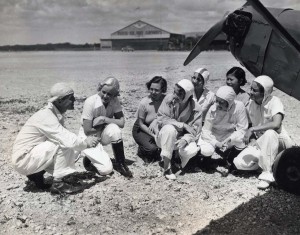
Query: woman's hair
[[158, 79], [239, 73], [110, 81]]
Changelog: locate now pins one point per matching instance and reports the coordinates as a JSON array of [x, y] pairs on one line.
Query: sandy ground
[[201, 203]]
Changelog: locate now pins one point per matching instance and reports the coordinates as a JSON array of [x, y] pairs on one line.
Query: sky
[[27, 22]]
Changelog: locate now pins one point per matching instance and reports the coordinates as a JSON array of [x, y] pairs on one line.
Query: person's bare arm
[[275, 124]]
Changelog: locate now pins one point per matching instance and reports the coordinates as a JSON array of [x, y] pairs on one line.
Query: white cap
[[226, 93], [204, 72], [60, 90], [267, 83]]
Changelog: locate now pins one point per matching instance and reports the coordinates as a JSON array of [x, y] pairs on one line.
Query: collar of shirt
[[59, 116]]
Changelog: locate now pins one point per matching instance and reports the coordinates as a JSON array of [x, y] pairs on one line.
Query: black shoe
[[123, 170], [60, 187], [88, 165], [38, 179]]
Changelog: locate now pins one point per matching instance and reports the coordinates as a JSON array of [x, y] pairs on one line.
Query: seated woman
[[204, 97], [267, 136], [177, 123], [236, 77], [102, 116], [224, 126], [146, 113]]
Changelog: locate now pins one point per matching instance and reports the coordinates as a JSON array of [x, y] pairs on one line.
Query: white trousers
[[166, 139], [49, 157], [263, 155], [98, 156], [207, 149]]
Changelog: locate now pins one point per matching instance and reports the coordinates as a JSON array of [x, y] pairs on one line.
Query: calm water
[[31, 73]]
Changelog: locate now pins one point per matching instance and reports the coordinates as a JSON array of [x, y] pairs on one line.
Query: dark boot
[[120, 166], [38, 179]]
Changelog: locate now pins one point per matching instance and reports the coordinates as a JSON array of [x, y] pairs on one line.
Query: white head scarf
[[188, 87], [267, 83], [60, 90], [204, 73], [226, 93]]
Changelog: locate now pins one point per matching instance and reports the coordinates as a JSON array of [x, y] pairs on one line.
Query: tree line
[[51, 47]]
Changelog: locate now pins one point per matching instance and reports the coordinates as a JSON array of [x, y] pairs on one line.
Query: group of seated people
[[246, 129], [191, 122]]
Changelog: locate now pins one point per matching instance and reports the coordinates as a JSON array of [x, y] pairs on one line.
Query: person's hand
[[92, 141], [153, 128], [247, 136], [99, 121], [153, 136], [252, 142], [219, 145], [189, 129], [226, 143], [181, 143]]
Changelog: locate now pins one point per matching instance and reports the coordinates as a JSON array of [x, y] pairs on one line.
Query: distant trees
[[181, 42], [51, 47], [176, 42]]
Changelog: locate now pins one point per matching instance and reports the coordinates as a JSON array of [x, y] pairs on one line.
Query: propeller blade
[[205, 41], [276, 26]]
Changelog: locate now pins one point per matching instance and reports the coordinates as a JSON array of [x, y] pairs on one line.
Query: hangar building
[[143, 36]]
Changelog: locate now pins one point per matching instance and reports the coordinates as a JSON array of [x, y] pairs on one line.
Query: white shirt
[[260, 114], [220, 125], [205, 101], [93, 107], [45, 125]]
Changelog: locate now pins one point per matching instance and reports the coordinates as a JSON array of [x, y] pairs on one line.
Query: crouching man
[[44, 144], [267, 136]]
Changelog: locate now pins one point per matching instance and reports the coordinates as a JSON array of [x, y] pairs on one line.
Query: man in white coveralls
[[44, 144]]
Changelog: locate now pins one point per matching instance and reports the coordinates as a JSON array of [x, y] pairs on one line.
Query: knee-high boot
[[121, 166]]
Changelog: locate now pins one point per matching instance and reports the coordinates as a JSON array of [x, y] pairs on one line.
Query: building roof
[[140, 30], [141, 24]]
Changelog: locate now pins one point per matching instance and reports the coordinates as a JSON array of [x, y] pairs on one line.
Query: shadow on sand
[[84, 179], [275, 212]]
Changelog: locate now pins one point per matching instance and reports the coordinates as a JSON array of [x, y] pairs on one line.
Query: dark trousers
[[147, 146]]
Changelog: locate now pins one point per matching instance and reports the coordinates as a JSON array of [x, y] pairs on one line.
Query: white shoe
[[169, 175], [263, 184]]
